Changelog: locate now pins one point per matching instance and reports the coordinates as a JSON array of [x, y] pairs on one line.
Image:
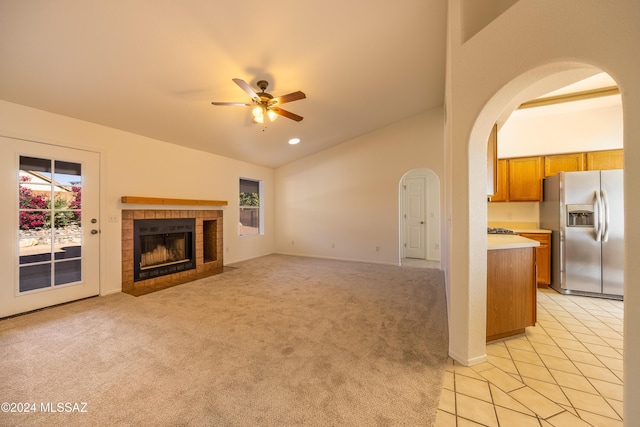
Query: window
[[250, 207], [50, 231]]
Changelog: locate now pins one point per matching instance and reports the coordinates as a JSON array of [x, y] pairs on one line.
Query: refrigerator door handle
[[597, 225], [561, 256], [605, 204]]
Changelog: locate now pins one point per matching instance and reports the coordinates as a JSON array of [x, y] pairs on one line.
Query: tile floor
[[565, 371]]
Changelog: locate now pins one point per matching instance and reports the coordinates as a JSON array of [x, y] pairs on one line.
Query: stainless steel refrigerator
[[585, 213]]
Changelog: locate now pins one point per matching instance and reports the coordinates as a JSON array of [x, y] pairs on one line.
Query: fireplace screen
[[162, 249], [163, 246]]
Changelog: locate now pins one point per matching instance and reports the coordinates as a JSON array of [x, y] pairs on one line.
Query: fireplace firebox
[[162, 247]]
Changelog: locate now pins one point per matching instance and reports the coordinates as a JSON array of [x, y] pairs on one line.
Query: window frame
[[259, 208]]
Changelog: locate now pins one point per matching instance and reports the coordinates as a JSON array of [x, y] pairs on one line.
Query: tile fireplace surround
[[210, 236]]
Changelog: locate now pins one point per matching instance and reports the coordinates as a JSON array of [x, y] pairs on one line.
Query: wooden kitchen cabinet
[[519, 179], [604, 160], [571, 162], [511, 291], [543, 257], [492, 161], [525, 179], [502, 181]]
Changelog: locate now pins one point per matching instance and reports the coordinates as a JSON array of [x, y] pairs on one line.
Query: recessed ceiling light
[[294, 141]]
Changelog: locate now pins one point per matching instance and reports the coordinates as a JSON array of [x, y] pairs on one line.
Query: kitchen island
[[530, 230], [511, 285]]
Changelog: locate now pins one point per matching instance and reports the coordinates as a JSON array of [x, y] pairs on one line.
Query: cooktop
[[498, 230]]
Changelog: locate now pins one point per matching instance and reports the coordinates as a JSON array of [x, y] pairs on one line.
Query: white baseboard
[[468, 362]]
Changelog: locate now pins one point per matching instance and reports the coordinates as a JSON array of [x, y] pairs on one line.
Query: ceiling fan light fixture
[[260, 111], [258, 114]]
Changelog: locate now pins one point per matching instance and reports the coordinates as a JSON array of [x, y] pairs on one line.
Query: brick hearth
[[208, 242]]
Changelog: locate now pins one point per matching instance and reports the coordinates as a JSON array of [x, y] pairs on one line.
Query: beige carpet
[[276, 341]]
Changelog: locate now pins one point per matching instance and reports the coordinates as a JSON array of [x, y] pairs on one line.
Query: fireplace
[[187, 246], [162, 247]]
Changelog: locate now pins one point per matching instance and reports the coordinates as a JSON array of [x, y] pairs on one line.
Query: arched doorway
[[551, 319], [524, 87], [490, 71], [419, 201]]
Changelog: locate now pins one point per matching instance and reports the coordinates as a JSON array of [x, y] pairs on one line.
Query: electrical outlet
[[293, 243], [377, 248], [113, 218], [333, 245]]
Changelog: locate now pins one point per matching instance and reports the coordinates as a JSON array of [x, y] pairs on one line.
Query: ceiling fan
[[265, 106]]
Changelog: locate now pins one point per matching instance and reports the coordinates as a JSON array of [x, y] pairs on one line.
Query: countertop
[[518, 227], [509, 241], [531, 230]]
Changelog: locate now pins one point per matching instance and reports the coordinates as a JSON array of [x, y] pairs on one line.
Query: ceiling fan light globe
[[272, 115]]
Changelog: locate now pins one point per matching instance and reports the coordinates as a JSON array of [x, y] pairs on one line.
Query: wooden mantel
[[165, 201]]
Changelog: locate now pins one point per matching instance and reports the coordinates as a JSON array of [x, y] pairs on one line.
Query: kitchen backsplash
[[516, 212]]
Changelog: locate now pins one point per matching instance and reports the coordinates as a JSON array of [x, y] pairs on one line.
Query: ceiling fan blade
[[294, 96], [245, 87], [287, 114], [232, 104]]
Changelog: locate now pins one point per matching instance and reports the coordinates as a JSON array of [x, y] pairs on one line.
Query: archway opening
[[538, 83], [546, 131]]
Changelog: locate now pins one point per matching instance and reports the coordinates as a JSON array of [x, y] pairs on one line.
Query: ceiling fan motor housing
[[264, 96]]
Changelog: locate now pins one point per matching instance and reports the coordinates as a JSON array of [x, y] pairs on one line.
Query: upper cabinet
[[525, 179], [502, 181], [492, 161], [603, 160], [564, 163], [520, 179]]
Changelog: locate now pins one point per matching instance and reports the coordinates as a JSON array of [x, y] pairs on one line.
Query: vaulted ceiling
[[152, 67]]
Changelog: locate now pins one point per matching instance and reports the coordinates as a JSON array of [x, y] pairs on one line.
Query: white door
[[414, 218], [49, 226]]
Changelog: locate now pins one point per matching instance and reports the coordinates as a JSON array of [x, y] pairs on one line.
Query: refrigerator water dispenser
[[580, 216]]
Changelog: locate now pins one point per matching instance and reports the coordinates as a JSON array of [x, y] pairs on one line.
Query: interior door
[[49, 227], [415, 218]]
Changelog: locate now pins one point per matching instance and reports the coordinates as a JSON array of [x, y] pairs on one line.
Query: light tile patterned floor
[[565, 371]]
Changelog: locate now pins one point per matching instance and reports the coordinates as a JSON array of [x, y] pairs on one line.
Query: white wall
[[571, 127], [343, 202], [479, 13], [531, 41], [132, 165]]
